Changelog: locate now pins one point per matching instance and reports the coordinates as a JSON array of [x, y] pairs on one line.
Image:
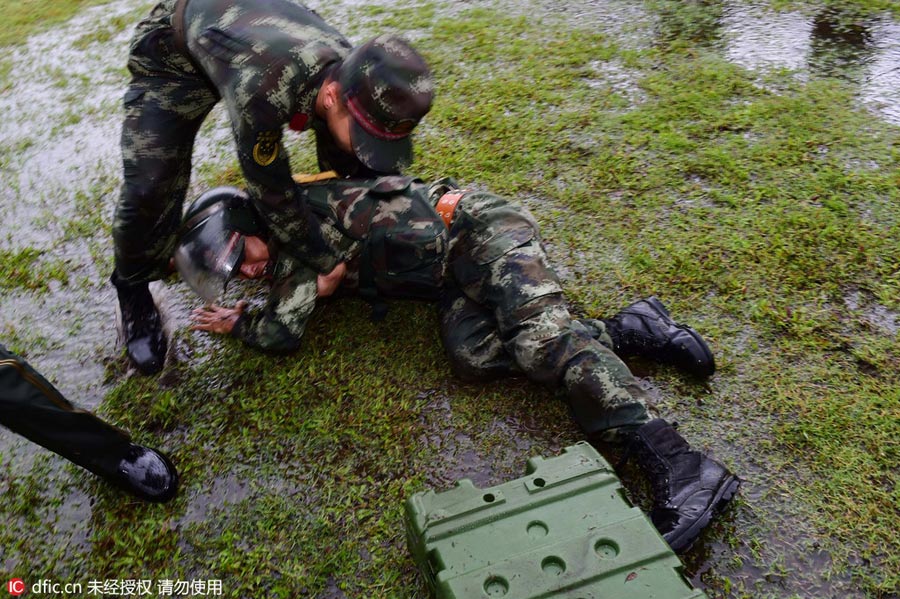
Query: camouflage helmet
[[387, 88], [211, 239]]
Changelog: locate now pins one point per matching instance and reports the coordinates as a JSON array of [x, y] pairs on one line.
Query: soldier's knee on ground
[[544, 342], [473, 368]]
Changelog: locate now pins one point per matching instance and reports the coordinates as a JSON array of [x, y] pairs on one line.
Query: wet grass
[[24, 269], [111, 28], [22, 18], [761, 209], [868, 5], [341, 447]]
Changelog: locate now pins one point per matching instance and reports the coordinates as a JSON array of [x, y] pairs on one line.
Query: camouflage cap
[[387, 88]]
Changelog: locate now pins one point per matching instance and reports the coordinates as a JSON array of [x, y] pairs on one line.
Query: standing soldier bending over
[[275, 64], [502, 311]]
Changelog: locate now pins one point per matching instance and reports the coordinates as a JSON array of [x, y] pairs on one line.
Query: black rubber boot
[[145, 473], [645, 329], [688, 487], [142, 330]]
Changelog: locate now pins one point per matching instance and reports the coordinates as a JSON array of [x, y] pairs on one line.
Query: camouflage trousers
[[165, 104], [504, 313]]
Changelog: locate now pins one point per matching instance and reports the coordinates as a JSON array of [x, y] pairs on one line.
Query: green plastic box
[[565, 529]]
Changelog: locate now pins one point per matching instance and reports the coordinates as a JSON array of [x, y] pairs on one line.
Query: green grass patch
[[24, 269], [111, 28], [5, 71], [90, 218], [25, 17]]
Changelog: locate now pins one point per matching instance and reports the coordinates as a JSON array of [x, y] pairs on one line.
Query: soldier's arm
[[280, 201], [263, 88], [279, 326], [259, 94]]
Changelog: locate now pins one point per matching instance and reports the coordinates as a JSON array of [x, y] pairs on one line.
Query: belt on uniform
[[178, 26], [447, 205]]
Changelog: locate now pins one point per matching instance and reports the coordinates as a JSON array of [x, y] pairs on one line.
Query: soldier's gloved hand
[[328, 284], [217, 319]]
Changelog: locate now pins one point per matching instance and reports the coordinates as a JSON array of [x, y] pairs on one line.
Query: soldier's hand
[[328, 284], [217, 319]]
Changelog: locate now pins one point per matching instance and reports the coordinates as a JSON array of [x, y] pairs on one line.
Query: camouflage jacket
[[386, 230], [267, 60], [396, 246]]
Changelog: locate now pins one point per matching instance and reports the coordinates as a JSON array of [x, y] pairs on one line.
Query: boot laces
[[657, 470]]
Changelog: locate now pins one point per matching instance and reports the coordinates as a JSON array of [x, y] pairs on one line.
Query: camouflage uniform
[[267, 62], [350, 211], [502, 308]]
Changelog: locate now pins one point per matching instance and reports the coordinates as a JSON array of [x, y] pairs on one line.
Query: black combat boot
[[143, 472], [688, 487], [645, 329], [141, 326]]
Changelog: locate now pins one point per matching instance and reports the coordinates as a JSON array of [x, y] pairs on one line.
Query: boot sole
[[724, 495], [706, 372]]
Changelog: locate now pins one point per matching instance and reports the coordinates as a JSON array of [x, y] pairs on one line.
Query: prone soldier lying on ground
[[502, 311]]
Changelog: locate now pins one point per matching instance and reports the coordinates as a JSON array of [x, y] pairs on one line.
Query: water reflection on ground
[[860, 47]]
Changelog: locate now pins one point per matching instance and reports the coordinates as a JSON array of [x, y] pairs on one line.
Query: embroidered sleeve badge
[[266, 149]]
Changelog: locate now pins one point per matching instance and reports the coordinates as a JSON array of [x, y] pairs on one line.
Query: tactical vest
[[403, 241]]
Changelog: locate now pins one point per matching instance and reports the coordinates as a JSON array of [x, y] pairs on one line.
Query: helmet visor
[[208, 255]]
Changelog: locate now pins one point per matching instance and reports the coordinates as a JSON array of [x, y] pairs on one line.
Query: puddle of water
[[756, 37], [59, 132], [788, 559], [460, 453], [628, 23], [332, 591], [860, 47], [882, 74], [63, 507], [613, 74], [872, 313], [221, 492], [66, 339]]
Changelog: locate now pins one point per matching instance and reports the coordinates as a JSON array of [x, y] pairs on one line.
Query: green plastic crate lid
[[565, 529]]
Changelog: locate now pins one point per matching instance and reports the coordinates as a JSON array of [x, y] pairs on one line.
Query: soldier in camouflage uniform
[[275, 64], [502, 312]]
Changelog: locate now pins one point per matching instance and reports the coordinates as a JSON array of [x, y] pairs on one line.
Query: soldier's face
[[256, 258]]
